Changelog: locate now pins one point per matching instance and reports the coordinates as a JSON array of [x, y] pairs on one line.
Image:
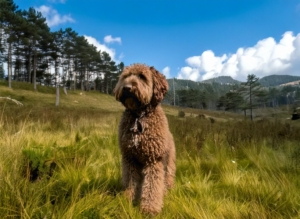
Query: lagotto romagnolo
[[146, 144]]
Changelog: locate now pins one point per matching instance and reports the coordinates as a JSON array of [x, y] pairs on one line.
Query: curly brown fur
[[146, 144]]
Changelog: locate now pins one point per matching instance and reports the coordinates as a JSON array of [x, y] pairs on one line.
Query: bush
[[212, 120], [181, 114], [201, 116]]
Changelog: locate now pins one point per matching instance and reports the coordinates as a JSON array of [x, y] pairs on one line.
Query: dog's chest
[[138, 132], [140, 139]]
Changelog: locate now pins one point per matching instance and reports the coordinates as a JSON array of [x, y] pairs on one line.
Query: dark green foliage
[[41, 160], [232, 101], [212, 120], [181, 114], [195, 94], [253, 94], [201, 116]]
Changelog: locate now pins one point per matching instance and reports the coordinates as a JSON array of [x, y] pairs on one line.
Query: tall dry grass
[[64, 163]]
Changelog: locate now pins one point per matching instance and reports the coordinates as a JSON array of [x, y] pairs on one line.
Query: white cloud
[[166, 72], [110, 39], [53, 18], [102, 47], [265, 58], [189, 73]]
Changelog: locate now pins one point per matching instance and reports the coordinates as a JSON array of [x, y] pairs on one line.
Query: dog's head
[[140, 85]]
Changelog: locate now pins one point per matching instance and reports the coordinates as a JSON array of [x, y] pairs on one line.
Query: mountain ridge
[[266, 81]]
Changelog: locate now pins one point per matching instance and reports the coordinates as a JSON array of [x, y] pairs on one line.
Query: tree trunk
[[107, 82], [16, 74], [9, 65], [29, 68], [75, 82], [57, 95], [56, 84], [65, 90], [81, 84], [34, 70]]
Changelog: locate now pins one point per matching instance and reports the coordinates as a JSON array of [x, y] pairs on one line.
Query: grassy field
[[64, 162]]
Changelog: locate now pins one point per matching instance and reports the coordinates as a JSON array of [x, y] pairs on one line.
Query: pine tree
[[253, 93], [232, 100], [37, 33], [8, 21]]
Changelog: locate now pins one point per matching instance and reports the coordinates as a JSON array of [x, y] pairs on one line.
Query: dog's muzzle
[[128, 93]]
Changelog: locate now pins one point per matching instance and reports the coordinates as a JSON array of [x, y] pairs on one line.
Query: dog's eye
[[141, 76]]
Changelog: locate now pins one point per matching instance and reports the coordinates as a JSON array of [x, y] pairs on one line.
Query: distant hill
[[222, 80], [227, 81], [182, 84], [276, 80]]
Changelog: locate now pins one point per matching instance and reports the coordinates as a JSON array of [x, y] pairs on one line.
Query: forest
[[231, 95], [63, 58]]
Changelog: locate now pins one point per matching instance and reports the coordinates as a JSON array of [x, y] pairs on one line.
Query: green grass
[[64, 162]]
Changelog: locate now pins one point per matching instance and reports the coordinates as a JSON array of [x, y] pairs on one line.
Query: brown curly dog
[[146, 144]]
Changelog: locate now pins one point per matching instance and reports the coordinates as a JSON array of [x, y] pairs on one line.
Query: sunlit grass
[[233, 169]]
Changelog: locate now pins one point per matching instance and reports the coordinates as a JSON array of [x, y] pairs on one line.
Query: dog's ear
[[160, 86]]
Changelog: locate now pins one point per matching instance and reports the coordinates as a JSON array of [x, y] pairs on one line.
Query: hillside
[[182, 84], [92, 101], [268, 81], [221, 80], [276, 80]]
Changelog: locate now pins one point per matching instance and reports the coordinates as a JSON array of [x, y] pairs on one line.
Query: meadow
[[64, 162]]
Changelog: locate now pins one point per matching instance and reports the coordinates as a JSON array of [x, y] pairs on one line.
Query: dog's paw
[[150, 208], [150, 211]]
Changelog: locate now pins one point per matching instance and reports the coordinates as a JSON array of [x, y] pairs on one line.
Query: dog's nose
[[127, 87]]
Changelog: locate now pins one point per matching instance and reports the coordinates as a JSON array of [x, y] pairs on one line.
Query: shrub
[[181, 114], [201, 116], [212, 120]]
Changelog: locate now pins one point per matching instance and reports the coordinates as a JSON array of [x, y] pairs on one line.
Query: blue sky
[[192, 39]]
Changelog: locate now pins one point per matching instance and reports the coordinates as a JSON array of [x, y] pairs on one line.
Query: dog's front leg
[[153, 188], [131, 180]]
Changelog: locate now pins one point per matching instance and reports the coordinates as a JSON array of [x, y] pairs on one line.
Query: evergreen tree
[[56, 54], [232, 100], [253, 93], [37, 31], [28, 47], [8, 22]]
